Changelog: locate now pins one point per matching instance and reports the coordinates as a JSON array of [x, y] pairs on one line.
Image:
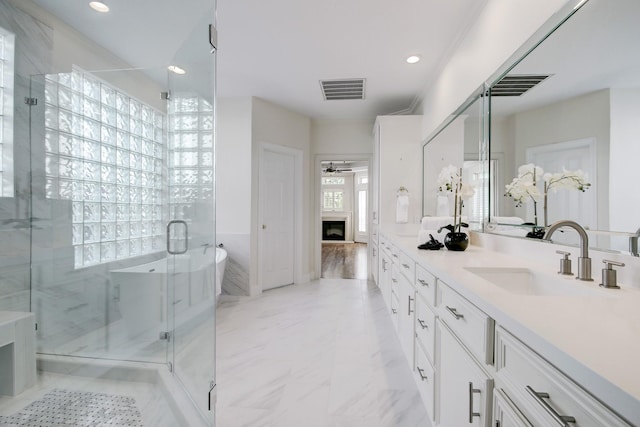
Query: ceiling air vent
[[342, 89], [516, 85]]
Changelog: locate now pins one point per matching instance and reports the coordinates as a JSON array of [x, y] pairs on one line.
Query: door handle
[[170, 226]]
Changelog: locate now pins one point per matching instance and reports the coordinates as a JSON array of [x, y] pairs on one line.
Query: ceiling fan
[[332, 169]]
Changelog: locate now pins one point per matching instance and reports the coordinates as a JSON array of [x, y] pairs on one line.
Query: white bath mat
[[77, 408]]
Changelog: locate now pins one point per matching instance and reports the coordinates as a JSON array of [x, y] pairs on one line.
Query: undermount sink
[[523, 281]]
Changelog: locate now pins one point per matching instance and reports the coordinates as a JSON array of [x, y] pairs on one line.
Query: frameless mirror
[[456, 143], [571, 108]]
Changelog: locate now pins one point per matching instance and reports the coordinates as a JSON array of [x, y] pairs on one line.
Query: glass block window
[[190, 154], [6, 112], [105, 153]]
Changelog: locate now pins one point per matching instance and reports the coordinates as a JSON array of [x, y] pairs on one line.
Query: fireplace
[[333, 230]]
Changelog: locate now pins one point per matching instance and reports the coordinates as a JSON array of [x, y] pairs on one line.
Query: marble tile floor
[[318, 354]]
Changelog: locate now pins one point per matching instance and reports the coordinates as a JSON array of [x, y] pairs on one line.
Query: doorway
[[343, 216]]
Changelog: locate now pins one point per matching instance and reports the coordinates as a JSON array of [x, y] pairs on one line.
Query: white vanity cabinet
[[542, 393], [505, 414], [465, 387], [374, 253], [406, 330]]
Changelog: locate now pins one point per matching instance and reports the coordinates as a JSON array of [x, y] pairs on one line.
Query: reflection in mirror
[[577, 112], [456, 143]]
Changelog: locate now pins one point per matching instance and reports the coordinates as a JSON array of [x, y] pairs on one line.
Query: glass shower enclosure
[[108, 219]]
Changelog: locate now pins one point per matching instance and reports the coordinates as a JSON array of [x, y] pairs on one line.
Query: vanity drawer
[[395, 303], [426, 285], [425, 327], [425, 379], [540, 390], [394, 279], [395, 253], [407, 266], [471, 325]]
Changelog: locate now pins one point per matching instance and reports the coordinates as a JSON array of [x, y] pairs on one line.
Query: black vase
[[456, 241]]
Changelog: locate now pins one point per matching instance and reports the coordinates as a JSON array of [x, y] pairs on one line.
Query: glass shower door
[[191, 227]]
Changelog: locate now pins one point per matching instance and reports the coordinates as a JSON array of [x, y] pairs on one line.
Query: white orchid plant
[[450, 180], [524, 187]]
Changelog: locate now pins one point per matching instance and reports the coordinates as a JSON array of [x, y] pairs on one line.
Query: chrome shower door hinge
[[30, 101], [164, 335]]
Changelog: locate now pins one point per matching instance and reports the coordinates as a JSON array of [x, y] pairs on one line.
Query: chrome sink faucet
[[584, 262]]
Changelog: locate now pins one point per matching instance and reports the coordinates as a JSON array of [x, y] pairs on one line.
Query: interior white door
[[276, 241]]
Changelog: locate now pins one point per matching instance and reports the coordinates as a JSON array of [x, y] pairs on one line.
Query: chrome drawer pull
[[409, 311], [471, 413], [455, 313], [394, 280], [405, 266], [562, 420], [395, 256], [394, 311], [423, 282], [422, 324], [421, 373]]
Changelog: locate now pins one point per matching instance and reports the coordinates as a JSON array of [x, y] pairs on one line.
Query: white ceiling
[[279, 50]]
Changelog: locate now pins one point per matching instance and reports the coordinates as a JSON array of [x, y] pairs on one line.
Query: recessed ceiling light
[[413, 59], [176, 69], [98, 6]]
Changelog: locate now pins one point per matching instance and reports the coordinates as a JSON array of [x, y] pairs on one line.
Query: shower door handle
[[170, 226]]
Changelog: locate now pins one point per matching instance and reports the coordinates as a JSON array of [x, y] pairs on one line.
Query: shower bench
[[17, 352]]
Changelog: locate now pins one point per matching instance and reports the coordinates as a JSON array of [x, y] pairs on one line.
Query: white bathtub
[[221, 262], [144, 291]]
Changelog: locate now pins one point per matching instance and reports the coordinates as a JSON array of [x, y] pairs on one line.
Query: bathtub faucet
[[206, 246]]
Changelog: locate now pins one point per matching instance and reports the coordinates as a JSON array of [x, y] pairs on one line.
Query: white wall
[[233, 165], [400, 165], [624, 155], [501, 28], [444, 150], [276, 125], [342, 136]]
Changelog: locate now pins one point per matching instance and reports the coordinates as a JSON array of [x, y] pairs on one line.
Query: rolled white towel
[[402, 209]]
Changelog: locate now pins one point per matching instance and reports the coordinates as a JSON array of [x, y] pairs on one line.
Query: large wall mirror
[[457, 142], [571, 107]]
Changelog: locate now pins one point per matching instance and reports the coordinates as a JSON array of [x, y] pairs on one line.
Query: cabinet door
[[465, 389], [385, 278], [406, 309]]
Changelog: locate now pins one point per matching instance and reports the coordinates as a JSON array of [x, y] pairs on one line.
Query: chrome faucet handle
[[565, 263], [609, 275]]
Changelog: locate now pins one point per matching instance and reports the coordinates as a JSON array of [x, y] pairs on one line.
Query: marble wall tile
[[236, 273]]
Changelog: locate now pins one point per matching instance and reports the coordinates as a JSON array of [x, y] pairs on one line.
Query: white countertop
[[593, 340]]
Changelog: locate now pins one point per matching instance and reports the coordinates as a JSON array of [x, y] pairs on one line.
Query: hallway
[[318, 354], [344, 261]]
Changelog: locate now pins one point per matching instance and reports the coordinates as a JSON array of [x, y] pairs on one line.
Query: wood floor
[[344, 261]]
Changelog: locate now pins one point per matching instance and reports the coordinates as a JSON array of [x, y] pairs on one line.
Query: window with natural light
[[333, 200], [6, 112], [105, 153]]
